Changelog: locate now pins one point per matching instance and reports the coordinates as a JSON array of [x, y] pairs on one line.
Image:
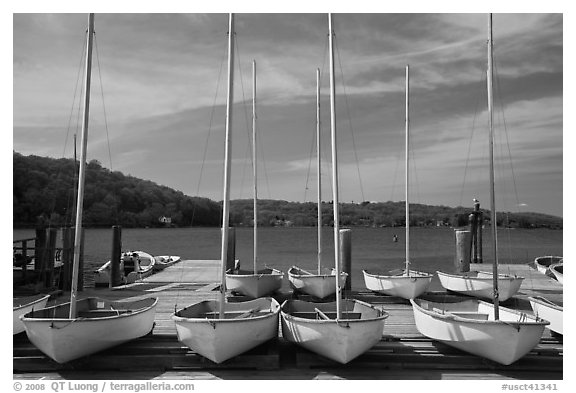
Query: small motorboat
[[134, 265], [163, 261]]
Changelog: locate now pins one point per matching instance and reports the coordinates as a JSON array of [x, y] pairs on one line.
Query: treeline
[[44, 191]]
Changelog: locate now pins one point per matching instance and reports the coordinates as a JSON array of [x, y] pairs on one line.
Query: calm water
[[372, 248]]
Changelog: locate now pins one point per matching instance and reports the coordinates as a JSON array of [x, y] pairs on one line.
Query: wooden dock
[[403, 353]]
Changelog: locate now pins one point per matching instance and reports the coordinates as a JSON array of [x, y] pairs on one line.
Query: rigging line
[[212, 112], [350, 121], [262, 150], [103, 103], [479, 98], [309, 166], [395, 178], [247, 119]]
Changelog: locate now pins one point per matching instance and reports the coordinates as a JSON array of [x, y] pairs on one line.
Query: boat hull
[[543, 263], [557, 271], [342, 340], [265, 282], [100, 324], [470, 326], [200, 329], [317, 285], [163, 261], [549, 311], [131, 270], [480, 284], [400, 285], [23, 306]]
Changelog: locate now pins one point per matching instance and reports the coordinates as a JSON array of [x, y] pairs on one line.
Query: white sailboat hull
[[200, 329], [23, 306], [557, 271], [100, 324], [543, 263], [265, 282], [341, 340], [549, 311], [406, 287], [470, 326], [317, 285], [480, 284]]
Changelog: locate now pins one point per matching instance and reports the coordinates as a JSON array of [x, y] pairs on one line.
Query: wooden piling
[[40, 249], [67, 258], [463, 248], [50, 258], [231, 256], [115, 274], [346, 255]]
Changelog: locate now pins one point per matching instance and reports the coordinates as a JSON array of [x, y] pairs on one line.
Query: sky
[[159, 90]]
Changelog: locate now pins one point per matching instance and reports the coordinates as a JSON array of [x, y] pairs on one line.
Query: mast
[[334, 169], [494, 225], [82, 171], [227, 165], [319, 164], [254, 166], [407, 174]]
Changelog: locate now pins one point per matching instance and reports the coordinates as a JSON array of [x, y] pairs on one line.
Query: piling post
[[50, 257], [480, 221], [231, 256], [346, 256], [40, 249], [472, 227], [67, 258], [463, 246], [80, 261], [115, 274]]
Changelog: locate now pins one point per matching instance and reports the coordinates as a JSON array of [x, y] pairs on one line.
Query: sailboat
[[134, 265], [24, 305], [81, 327], [258, 282], [321, 284], [543, 263], [216, 329], [344, 329], [406, 284], [475, 326], [551, 311], [557, 270]]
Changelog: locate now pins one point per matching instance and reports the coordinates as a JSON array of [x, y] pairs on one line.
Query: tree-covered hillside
[[44, 192]]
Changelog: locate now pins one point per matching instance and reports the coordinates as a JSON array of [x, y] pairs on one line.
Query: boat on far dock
[[557, 270], [543, 263], [481, 284], [161, 262], [134, 265]]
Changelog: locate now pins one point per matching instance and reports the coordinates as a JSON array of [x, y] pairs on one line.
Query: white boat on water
[[475, 326], [257, 282], [549, 311], [543, 263], [409, 283], [23, 305], [481, 284], [216, 329], [322, 283], [81, 327], [134, 265], [161, 262], [344, 329], [471, 326], [557, 270]]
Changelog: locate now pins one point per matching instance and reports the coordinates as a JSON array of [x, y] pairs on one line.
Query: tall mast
[[319, 165], [489, 79], [254, 166], [227, 166], [334, 169], [82, 171], [407, 173]]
